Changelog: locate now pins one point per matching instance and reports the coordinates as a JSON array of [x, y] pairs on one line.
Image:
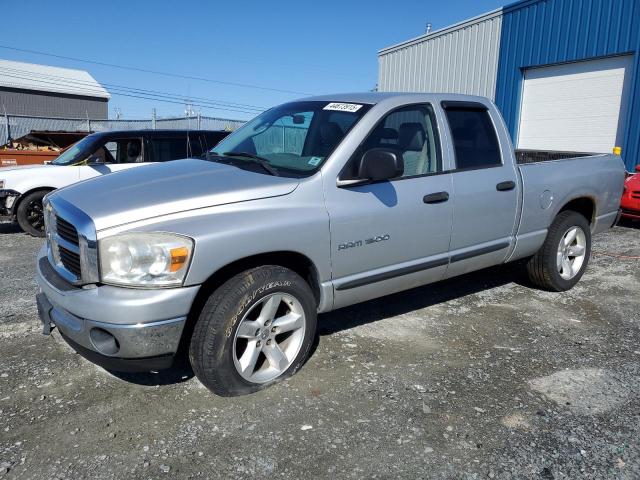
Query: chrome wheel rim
[[571, 254], [269, 337]]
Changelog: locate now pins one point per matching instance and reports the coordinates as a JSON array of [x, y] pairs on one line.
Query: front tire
[[30, 214], [254, 330], [563, 258]]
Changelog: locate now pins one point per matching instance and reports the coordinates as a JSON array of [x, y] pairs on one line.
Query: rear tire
[[563, 258], [30, 214], [254, 330]]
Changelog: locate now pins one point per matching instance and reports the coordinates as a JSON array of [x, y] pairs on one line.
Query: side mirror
[[638, 168], [380, 164]]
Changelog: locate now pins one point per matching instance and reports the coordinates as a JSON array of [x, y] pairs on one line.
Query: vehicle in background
[[630, 203], [38, 147], [23, 188], [312, 206]]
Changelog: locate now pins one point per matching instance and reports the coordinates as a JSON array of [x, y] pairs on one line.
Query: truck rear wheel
[[255, 330], [563, 258], [30, 215]]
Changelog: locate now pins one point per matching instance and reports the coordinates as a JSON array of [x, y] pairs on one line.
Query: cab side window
[[474, 138], [197, 145], [165, 149], [124, 150], [411, 131]]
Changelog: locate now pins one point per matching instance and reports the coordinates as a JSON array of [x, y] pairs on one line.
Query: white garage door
[[579, 107]]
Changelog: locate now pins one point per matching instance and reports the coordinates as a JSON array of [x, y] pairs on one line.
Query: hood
[[4, 170], [170, 187]]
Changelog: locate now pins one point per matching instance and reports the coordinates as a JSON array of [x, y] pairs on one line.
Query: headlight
[[145, 259]]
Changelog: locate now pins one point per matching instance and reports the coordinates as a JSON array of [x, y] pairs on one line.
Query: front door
[[392, 235]]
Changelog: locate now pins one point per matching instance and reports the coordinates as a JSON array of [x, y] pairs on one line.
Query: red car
[[630, 203]]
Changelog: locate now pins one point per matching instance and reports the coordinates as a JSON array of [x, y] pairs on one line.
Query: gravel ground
[[478, 377]]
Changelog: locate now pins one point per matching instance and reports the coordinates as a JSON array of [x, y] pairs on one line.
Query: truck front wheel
[[563, 258], [30, 215], [254, 330]]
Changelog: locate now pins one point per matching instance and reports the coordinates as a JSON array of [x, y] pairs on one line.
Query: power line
[[89, 86], [87, 90], [155, 72], [169, 101]]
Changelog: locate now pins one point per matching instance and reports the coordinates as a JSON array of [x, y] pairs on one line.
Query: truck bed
[[547, 185], [536, 156]]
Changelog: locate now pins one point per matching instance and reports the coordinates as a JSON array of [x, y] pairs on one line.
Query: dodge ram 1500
[[312, 206]]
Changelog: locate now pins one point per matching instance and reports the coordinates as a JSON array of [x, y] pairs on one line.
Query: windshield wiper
[[259, 160]]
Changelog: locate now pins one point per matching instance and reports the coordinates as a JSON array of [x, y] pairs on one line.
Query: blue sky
[[307, 47]]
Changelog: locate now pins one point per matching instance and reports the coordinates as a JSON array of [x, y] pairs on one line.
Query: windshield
[[295, 137], [77, 152]]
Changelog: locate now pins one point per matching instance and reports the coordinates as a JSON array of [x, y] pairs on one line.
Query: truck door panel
[[386, 236], [485, 189]]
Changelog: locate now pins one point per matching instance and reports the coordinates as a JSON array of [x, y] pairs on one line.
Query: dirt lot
[[479, 377]]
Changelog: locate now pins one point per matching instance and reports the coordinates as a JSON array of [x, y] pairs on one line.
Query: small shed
[[44, 91]]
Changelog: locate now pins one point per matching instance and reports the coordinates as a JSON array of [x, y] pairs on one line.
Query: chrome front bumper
[[144, 323]]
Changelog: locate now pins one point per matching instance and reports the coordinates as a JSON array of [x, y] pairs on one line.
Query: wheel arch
[[296, 261], [584, 205], [21, 197]]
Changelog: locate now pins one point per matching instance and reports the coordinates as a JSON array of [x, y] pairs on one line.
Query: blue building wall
[[544, 32]]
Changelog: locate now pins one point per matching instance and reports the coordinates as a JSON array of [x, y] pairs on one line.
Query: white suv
[[23, 188]]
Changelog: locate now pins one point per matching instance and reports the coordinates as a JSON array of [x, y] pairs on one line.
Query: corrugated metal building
[[41, 90], [564, 73]]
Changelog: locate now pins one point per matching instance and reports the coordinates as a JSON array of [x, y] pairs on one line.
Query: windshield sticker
[[315, 161], [343, 107]]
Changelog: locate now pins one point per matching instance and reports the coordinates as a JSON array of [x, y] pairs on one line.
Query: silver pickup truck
[[312, 206]]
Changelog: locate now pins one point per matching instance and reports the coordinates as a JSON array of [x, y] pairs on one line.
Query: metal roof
[[44, 78], [459, 25]]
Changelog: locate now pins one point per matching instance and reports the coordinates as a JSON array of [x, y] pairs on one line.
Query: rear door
[[485, 189]]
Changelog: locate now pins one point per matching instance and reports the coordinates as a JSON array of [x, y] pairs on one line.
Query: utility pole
[[153, 118]]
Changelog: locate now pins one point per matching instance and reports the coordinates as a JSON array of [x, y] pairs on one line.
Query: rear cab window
[[474, 137]]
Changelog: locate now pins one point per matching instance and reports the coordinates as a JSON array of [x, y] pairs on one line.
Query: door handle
[[438, 197], [506, 186]]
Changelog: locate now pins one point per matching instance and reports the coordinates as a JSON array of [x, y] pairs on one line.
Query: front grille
[[70, 260], [66, 231]]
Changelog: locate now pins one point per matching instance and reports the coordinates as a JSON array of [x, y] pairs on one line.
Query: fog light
[[104, 342]]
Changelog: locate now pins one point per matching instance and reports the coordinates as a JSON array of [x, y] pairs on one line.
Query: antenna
[[428, 29]]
